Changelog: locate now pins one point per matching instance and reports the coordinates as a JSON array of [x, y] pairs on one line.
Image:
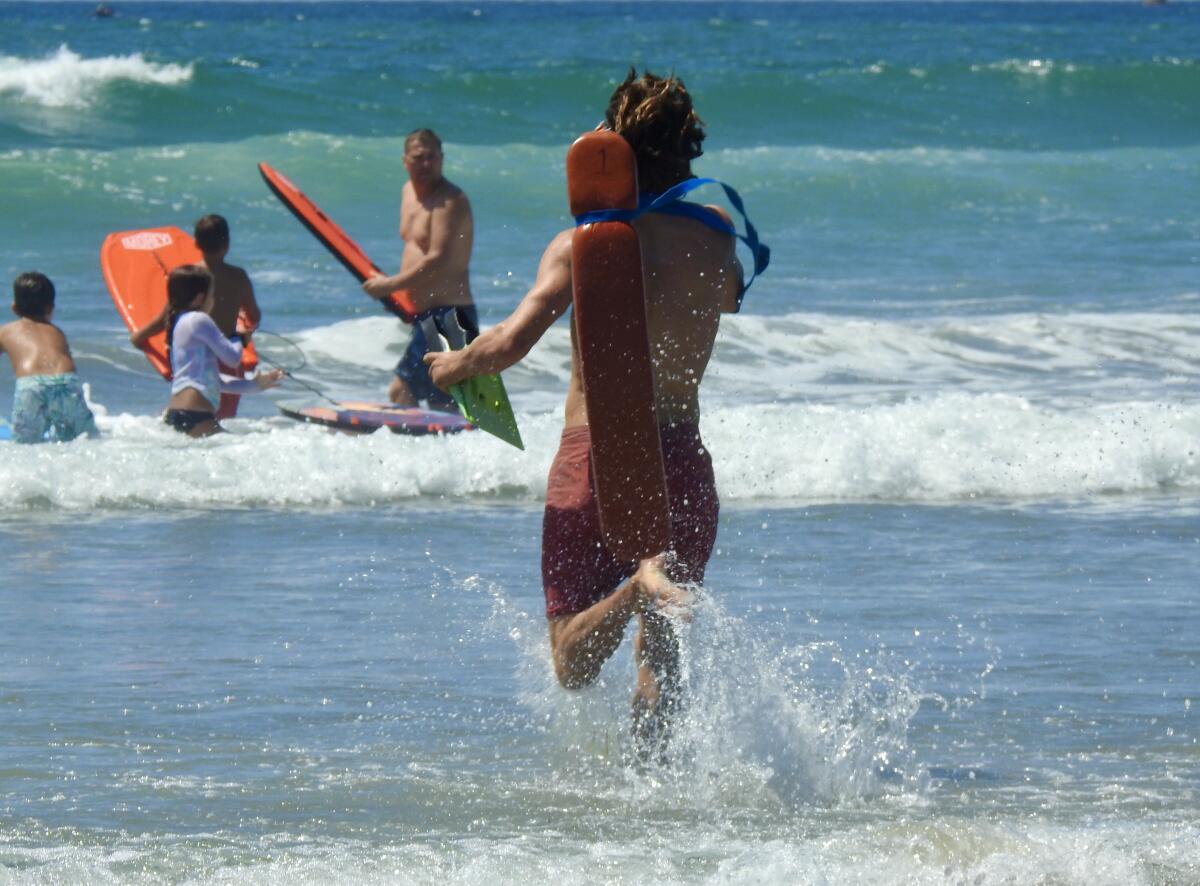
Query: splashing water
[[761, 723]]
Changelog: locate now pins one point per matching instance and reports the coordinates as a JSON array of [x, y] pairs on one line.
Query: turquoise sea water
[[950, 633]]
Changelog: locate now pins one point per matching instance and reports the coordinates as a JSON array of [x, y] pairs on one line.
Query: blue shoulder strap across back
[[670, 202]]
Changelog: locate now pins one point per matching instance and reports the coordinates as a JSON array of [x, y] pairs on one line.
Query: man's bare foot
[[657, 593]]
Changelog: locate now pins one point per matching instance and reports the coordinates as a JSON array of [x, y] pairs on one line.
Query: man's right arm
[[511, 339]]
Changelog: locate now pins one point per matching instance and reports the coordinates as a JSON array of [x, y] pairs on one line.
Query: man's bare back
[[36, 347], [691, 276], [232, 294]]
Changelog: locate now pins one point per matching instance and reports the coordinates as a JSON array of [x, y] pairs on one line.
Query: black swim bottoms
[[183, 420]]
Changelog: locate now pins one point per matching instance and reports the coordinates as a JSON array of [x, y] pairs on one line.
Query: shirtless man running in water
[[691, 276]]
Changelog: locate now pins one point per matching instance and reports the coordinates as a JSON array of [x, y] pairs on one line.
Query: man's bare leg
[[580, 644], [656, 700], [400, 394]]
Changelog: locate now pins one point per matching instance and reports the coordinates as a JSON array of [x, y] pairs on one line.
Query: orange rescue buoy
[[614, 350]]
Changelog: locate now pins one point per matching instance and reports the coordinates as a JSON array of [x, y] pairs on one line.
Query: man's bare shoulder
[[25, 333], [230, 276], [454, 197], [239, 273], [725, 216]]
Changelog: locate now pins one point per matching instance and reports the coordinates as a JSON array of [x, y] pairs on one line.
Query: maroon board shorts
[[577, 570]]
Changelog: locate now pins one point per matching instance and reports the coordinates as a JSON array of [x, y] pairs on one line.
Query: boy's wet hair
[[33, 295], [655, 115], [211, 233], [425, 137]]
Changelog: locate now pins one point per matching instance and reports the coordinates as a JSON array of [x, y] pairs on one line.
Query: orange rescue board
[[614, 350], [333, 238], [135, 266]]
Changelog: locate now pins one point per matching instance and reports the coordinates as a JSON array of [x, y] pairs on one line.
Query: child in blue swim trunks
[[49, 401]]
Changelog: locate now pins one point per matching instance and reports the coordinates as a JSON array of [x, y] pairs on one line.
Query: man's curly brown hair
[[655, 115]]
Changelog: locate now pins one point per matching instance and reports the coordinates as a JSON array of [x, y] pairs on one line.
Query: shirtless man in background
[[691, 276], [438, 234]]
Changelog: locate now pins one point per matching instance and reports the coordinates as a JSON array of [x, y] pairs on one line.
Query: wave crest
[[948, 448], [68, 80]]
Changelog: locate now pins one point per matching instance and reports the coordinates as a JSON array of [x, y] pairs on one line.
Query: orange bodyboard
[[135, 266], [614, 351], [333, 238]]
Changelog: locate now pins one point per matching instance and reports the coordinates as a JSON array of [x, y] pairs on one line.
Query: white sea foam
[[1055, 360], [1069, 359], [67, 80], [1037, 67], [955, 447], [796, 409], [902, 849], [944, 448]]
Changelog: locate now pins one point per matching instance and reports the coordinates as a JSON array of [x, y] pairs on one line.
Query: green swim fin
[[482, 400]]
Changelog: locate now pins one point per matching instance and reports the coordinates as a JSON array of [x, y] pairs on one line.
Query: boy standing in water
[[49, 397], [438, 233], [691, 275], [232, 294]]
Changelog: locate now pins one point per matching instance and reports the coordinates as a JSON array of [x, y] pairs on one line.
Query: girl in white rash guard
[[196, 345]]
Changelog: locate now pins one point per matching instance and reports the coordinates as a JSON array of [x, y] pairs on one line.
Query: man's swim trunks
[[183, 420], [412, 369], [53, 406], [577, 570]]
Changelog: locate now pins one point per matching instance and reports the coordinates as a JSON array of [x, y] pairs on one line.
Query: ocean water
[[950, 633]]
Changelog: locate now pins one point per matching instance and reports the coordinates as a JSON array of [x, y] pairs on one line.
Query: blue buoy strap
[[670, 202]]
